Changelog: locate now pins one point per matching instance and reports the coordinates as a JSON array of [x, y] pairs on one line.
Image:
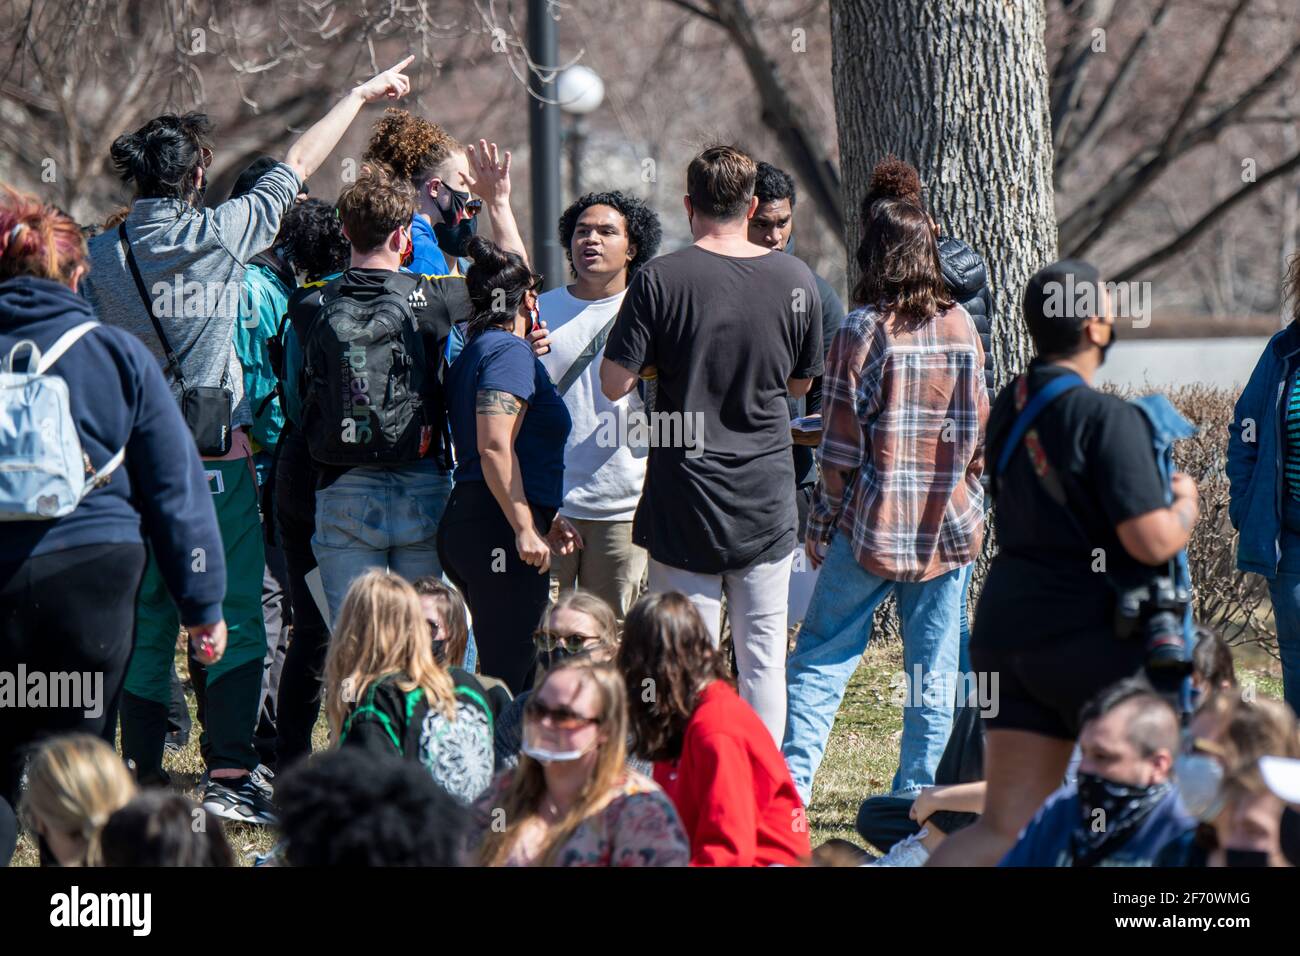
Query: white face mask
[[1198, 778], [545, 755], [542, 755]]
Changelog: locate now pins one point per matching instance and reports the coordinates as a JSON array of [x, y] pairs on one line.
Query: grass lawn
[[860, 758]]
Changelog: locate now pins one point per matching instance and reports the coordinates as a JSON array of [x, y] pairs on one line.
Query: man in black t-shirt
[[1045, 624], [729, 329]]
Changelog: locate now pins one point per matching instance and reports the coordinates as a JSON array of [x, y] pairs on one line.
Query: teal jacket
[[267, 284]]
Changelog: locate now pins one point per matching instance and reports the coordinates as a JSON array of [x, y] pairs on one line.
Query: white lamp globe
[[579, 90]]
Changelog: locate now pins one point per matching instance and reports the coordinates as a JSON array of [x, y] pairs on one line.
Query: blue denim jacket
[[1255, 466], [1167, 427]]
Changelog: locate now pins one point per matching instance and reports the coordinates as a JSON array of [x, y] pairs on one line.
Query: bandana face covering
[[1122, 809]]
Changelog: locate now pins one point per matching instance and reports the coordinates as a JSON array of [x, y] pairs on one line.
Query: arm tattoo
[[494, 402]]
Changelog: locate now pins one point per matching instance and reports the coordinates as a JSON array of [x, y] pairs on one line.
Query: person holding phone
[[172, 274], [509, 426]]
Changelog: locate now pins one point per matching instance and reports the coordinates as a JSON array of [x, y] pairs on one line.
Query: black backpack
[[364, 368]]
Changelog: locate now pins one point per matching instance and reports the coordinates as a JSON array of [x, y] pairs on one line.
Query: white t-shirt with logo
[[602, 475]]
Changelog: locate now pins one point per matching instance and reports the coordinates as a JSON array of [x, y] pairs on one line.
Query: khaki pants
[[609, 565]]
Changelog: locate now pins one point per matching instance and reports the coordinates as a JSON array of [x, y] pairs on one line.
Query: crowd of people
[[533, 552]]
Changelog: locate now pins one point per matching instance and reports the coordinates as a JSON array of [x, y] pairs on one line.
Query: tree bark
[[960, 90]]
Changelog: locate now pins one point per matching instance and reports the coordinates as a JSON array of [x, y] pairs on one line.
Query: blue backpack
[[44, 473]]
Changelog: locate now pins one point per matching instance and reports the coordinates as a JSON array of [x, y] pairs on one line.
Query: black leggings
[[506, 597], [68, 612], [298, 697]]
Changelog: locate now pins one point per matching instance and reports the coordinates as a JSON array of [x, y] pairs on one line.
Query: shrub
[[1235, 604]]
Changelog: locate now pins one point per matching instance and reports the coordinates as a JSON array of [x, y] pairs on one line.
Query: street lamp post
[[580, 91], [544, 134]]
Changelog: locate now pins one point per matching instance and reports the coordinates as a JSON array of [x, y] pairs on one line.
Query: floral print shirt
[[636, 826]]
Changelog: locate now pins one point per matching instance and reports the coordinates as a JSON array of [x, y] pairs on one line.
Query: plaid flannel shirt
[[904, 409]]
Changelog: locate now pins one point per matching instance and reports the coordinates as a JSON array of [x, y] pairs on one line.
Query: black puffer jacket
[[964, 271]]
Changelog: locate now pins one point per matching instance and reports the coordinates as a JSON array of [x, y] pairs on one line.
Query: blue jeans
[[834, 635], [1284, 591], [384, 518], [963, 629]]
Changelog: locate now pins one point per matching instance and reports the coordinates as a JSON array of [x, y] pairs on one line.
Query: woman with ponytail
[[172, 273], [68, 583], [509, 427]]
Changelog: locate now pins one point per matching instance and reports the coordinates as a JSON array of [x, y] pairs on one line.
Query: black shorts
[[1042, 687]]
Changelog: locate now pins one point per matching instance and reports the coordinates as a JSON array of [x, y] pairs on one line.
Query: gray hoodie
[[192, 261]]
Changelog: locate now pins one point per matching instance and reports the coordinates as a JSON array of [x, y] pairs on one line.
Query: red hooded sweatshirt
[[732, 789]]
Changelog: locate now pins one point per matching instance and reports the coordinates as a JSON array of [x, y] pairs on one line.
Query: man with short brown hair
[[728, 329], [374, 412]]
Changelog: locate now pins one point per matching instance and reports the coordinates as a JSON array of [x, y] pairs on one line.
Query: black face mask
[[549, 659], [453, 239], [1245, 857], [1123, 808], [1114, 327], [1290, 836]]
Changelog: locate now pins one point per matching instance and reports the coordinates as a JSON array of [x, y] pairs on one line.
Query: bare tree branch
[[1087, 222], [1068, 155], [1070, 76], [1216, 212]]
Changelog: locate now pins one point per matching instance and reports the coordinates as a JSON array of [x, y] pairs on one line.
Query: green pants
[[229, 745]]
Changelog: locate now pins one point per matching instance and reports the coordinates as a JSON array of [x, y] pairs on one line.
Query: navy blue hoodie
[[119, 398]]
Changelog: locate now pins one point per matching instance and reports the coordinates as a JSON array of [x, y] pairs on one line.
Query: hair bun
[[127, 154], [895, 178], [485, 252]]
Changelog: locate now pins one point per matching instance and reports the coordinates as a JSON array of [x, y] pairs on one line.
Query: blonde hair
[[1256, 729], [75, 783], [382, 631], [584, 602], [523, 795]]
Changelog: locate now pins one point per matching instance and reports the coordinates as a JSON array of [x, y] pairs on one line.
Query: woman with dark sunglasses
[[508, 425], [573, 801], [577, 623]]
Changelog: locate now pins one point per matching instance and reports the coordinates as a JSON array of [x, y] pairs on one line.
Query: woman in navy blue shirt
[[509, 426]]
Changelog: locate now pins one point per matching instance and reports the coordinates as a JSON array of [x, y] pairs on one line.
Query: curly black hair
[[643, 228], [311, 239], [351, 807], [772, 183]]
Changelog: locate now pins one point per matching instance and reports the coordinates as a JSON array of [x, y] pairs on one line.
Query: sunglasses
[[547, 641], [1204, 747], [473, 208], [562, 718]]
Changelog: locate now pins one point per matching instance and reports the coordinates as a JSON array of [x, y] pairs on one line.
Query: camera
[[1154, 613]]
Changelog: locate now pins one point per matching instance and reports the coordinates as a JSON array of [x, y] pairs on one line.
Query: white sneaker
[[908, 852]]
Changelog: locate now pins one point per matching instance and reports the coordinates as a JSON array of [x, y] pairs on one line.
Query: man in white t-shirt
[[607, 237]]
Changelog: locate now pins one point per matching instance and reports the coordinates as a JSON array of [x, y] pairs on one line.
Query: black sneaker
[[243, 803], [263, 778]]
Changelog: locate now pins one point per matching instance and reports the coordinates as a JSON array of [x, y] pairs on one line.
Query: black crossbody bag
[[206, 408]]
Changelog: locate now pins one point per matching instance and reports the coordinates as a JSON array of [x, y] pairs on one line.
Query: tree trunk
[[960, 90]]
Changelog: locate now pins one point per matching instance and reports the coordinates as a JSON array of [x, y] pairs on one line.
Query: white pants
[[756, 605]]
